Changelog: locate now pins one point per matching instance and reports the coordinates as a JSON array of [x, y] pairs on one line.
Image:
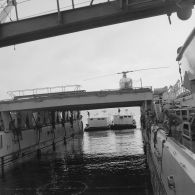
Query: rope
[[23, 1], [16, 133], [37, 128]]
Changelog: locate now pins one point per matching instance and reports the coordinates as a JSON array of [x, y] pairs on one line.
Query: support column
[[59, 13], [39, 153], [145, 105], [54, 146], [2, 166], [16, 9]]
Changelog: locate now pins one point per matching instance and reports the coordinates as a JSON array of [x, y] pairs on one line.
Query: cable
[[24, 1], [8, 15]]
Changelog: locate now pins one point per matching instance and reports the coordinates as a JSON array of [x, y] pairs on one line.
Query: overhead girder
[[81, 100], [107, 105], [138, 103], [87, 18]]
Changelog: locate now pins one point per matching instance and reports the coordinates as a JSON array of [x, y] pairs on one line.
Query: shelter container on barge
[[123, 122], [97, 123]]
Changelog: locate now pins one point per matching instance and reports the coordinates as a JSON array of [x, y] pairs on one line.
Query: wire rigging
[[124, 72]]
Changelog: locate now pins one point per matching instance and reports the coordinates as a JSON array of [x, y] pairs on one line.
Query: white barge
[[123, 122], [98, 123]]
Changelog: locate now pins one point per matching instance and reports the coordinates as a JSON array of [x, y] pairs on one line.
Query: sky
[[74, 58]]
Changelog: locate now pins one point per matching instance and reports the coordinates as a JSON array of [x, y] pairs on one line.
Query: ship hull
[[123, 122], [122, 126], [98, 124], [97, 128], [32, 143], [172, 166]]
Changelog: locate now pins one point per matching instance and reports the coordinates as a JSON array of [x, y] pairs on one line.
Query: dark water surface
[[104, 162]]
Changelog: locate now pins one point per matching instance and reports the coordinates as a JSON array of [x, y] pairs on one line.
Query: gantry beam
[[81, 19], [80, 100]]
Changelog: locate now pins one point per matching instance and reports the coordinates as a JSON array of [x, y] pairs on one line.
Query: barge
[[97, 124], [123, 122]]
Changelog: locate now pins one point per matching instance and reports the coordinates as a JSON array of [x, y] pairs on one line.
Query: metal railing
[[42, 7], [44, 90], [62, 92]]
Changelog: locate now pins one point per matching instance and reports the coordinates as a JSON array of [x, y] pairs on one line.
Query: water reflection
[[105, 162], [120, 142]]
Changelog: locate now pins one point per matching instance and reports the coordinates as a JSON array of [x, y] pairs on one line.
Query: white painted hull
[[102, 123], [123, 122], [13, 150], [171, 164]]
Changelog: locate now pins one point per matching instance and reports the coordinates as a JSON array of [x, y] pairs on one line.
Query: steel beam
[[79, 19], [81, 101]]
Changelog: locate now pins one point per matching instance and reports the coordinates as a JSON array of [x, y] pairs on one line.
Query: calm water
[[104, 162]]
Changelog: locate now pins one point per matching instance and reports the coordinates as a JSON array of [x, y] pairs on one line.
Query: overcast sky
[[73, 58]]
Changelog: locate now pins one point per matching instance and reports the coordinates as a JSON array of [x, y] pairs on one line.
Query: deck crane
[[6, 10]]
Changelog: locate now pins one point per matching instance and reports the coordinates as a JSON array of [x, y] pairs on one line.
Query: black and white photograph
[[97, 97]]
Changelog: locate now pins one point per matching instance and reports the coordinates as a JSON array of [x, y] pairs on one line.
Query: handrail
[[44, 90], [73, 94]]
